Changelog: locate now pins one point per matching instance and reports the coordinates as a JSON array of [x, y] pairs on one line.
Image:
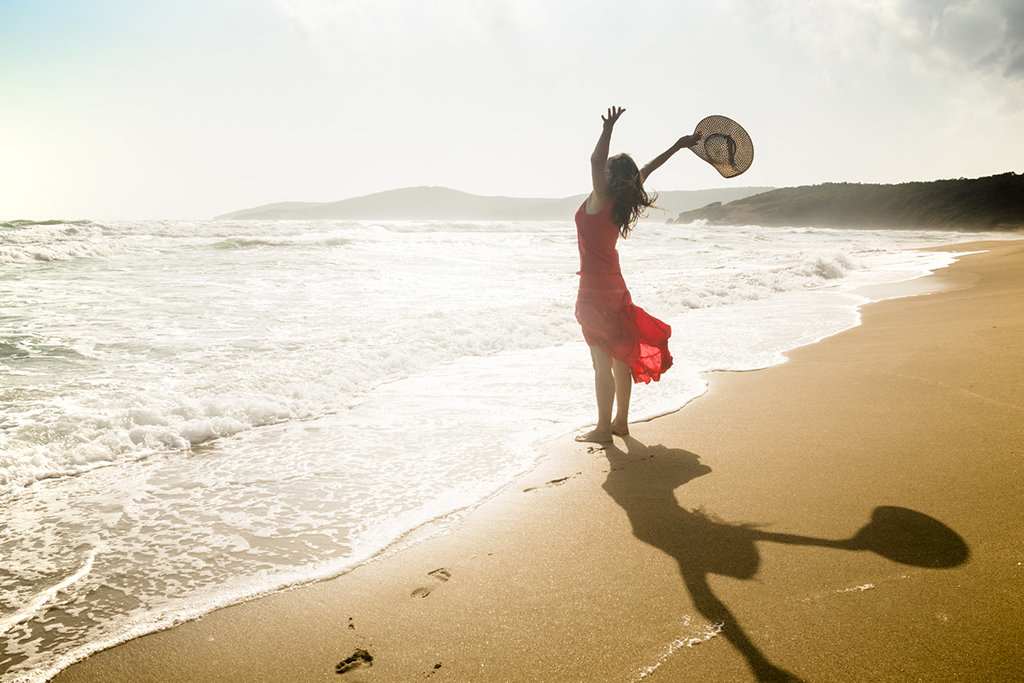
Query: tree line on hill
[[989, 203]]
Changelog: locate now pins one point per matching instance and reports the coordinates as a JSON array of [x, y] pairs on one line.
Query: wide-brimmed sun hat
[[725, 145]]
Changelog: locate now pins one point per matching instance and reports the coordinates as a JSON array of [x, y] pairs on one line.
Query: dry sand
[[854, 514]]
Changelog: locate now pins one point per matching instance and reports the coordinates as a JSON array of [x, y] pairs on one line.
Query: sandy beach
[[851, 515]]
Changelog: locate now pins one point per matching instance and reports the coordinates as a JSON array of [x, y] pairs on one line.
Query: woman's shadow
[[643, 479]]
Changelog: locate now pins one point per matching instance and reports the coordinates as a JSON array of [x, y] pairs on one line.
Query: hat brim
[[725, 145]]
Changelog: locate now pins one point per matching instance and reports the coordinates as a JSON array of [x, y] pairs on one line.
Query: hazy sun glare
[[125, 109]]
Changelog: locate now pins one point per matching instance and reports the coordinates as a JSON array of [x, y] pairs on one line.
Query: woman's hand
[[688, 141], [613, 115]]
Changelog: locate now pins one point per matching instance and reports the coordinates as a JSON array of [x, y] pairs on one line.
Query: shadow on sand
[[643, 480]]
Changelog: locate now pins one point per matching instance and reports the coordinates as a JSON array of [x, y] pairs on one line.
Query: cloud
[[1012, 49], [980, 37], [348, 25]]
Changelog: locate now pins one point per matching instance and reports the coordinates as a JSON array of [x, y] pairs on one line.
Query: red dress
[[604, 308]]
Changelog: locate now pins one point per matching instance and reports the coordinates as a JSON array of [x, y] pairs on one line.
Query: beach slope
[[851, 515]]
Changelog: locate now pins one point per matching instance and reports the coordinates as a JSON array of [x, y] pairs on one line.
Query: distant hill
[[441, 203], [990, 203]]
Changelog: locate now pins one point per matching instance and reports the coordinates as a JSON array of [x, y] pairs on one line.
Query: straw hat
[[725, 145]]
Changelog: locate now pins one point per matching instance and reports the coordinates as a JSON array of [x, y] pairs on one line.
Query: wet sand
[[854, 514]]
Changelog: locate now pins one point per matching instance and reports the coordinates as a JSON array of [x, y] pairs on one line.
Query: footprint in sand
[[441, 574], [553, 482], [357, 659]]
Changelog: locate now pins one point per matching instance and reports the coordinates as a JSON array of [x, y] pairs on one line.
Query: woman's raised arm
[[599, 161], [682, 143]]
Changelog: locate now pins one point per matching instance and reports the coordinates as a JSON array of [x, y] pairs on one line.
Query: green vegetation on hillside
[[990, 203]]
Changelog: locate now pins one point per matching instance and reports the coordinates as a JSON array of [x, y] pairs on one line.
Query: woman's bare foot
[[620, 428], [596, 436]]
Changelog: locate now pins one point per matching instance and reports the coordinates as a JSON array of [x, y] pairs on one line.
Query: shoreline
[[479, 571]]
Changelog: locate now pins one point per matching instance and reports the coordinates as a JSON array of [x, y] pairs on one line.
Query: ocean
[[195, 413]]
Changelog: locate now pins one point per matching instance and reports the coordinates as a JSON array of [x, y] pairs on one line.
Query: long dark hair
[[629, 198]]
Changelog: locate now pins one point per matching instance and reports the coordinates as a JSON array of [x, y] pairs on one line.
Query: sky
[[185, 109]]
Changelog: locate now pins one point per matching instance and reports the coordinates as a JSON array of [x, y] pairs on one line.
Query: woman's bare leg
[[623, 388], [604, 388]]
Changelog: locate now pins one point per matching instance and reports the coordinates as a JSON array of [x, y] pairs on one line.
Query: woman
[[626, 344]]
